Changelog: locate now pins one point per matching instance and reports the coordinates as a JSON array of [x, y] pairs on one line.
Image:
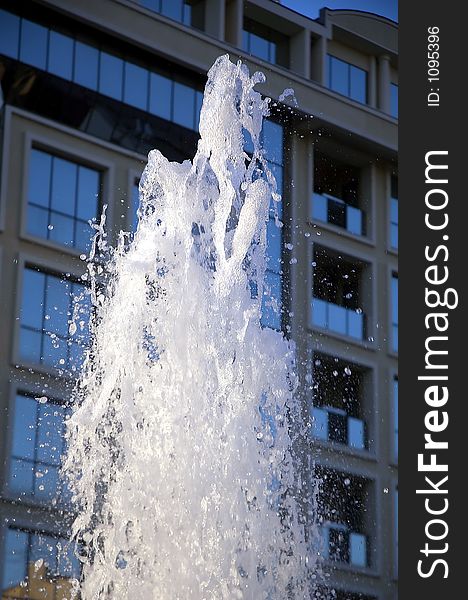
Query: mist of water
[[181, 455]]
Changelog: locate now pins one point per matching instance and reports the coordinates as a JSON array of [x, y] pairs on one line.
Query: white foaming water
[[181, 452]]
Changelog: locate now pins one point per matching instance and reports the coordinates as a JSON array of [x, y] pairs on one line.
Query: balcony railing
[[337, 318], [336, 212], [334, 425], [344, 546]]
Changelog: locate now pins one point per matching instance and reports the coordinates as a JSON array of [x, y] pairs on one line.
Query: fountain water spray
[[181, 461]]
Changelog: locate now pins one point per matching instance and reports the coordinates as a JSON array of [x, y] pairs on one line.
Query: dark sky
[[387, 8]]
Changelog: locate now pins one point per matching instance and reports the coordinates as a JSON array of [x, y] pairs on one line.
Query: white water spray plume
[[181, 454]]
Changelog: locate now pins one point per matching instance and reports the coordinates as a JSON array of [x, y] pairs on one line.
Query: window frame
[[46, 527], [52, 145], [330, 57], [27, 388], [370, 368], [49, 268], [369, 341]]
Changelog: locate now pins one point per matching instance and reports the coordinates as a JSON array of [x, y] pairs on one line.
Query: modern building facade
[[87, 89]]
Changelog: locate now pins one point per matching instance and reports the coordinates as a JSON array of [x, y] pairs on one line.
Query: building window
[[394, 100], [54, 321], [336, 198], [272, 296], [395, 417], [394, 301], [178, 10], [394, 212], [265, 43], [336, 294], [37, 565], [62, 197], [37, 449], [101, 71], [347, 79], [337, 411], [343, 517]]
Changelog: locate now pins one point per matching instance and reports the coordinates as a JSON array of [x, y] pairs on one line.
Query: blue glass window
[[272, 139], [184, 105], [136, 86], [338, 76], [86, 66], [357, 84], [394, 100], [394, 213], [394, 300], [347, 79], [9, 34], [395, 417], [160, 96], [62, 197], [174, 9], [111, 76], [37, 448], [47, 308], [60, 61], [33, 557], [178, 10], [33, 48], [261, 46], [100, 71]]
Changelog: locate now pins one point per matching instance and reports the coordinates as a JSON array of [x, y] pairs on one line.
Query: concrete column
[[215, 18], [384, 83], [299, 53], [372, 82], [319, 60], [234, 22]]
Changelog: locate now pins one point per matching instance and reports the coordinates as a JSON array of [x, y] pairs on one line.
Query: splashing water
[[181, 453]]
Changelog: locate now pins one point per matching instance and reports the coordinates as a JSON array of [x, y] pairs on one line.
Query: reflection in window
[[37, 448], [48, 305], [100, 71], [394, 213], [37, 566], [394, 100], [394, 312], [62, 197], [347, 79]]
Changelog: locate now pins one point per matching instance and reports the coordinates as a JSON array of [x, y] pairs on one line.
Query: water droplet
[[50, 227], [42, 399]]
